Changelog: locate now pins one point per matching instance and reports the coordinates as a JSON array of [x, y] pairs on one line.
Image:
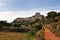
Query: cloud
[[5, 4], [11, 15]]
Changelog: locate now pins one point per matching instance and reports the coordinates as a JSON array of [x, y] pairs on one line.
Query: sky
[[11, 9]]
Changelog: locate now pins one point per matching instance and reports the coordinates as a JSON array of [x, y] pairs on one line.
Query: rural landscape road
[[48, 35]]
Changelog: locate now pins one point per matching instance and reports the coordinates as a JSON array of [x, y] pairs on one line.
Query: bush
[[17, 25], [39, 27], [52, 14], [32, 32], [58, 13]]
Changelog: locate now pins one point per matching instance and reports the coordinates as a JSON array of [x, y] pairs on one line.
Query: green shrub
[[32, 32], [39, 27]]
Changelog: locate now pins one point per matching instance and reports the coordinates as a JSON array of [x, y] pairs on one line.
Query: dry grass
[[12, 36], [18, 36]]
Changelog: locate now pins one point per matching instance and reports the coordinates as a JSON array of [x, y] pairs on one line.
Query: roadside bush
[[39, 27], [32, 32]]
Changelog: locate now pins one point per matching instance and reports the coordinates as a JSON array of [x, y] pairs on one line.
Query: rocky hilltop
[[23, 24], [30, 19], [36, 22]]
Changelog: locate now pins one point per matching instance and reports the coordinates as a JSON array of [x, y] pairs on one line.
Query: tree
[[58, 13], [37, 20], [37, 25], [32, 32], [52, 14], [17, 25], [4, 23]]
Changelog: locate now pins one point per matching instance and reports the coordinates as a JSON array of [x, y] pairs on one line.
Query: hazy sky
[[11, 9]]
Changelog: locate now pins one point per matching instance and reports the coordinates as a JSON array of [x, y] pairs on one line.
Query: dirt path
[[48, 35]]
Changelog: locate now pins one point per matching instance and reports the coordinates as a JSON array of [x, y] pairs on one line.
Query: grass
[[20, 36], [12, 36], [57, 33]]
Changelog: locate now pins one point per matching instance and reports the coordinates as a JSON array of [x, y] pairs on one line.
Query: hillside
[[33, 26]]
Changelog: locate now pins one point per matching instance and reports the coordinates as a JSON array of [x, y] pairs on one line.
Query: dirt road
[[48, 35]]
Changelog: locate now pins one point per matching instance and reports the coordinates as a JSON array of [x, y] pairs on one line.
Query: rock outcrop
[[30, 19]]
